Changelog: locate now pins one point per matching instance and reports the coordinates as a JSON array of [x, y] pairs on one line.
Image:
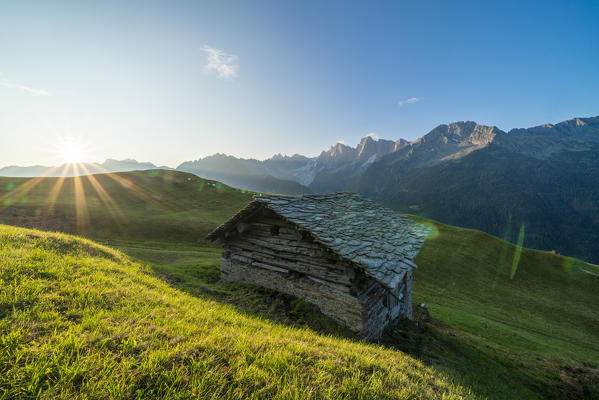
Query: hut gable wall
[[268, 251]]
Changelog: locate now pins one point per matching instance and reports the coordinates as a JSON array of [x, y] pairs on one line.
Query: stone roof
[[383, 242]]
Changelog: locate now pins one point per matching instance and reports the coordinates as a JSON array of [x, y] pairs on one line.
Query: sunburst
[[71, 152], [77, 177]]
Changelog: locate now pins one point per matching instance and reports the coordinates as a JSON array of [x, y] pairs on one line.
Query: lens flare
[[517, 253]]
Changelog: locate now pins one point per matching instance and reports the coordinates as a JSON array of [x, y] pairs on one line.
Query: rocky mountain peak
[[462, 133], [399, 144], [280, 157], [339, 153], [445, 142], [340, 148], [369, 138], [370, 147]]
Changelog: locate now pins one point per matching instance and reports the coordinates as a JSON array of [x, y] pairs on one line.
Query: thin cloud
[[33, 91], [36, 92], [223, 64], [411, 100], [373, 135]]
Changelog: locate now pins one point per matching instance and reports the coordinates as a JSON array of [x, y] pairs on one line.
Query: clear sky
[[173, 81]]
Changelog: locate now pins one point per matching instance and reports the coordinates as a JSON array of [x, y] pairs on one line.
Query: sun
[[71, 152]]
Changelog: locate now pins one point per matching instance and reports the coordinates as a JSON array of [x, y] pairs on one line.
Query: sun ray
[[117, 215], [21, 191], [53, 196], [138, 191], [81, 211]]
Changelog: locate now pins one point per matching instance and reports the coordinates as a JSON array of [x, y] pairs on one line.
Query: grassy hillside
[[534, 310], [531, 335], [549, 306], [79, 320], [154, 205]]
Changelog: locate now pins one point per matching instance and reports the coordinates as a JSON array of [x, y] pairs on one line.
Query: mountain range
[[540, 182], [69, 170]]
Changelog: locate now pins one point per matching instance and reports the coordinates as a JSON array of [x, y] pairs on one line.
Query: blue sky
[[173, 81]]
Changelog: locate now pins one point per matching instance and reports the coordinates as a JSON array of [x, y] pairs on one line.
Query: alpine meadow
[[152, 303], [299, 200]]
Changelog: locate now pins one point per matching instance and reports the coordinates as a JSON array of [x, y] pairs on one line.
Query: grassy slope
[[81, 320], [154, 205], [501, 338], [542, 322], [548, 308]]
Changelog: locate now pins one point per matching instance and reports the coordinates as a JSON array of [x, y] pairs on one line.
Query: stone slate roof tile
[[381, 241]]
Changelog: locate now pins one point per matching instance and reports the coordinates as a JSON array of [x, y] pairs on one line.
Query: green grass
[[543, 323], [548, 309], [533, 336], [79, 320]]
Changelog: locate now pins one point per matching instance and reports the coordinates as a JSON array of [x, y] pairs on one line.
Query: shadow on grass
[[195, 272]]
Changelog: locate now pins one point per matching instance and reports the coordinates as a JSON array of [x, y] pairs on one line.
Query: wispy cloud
[[411, 100], [223, 64], [33, 91], [373, 135], [36, 92]]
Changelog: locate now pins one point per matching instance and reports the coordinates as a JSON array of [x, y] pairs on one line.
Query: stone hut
[[347, 255]]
